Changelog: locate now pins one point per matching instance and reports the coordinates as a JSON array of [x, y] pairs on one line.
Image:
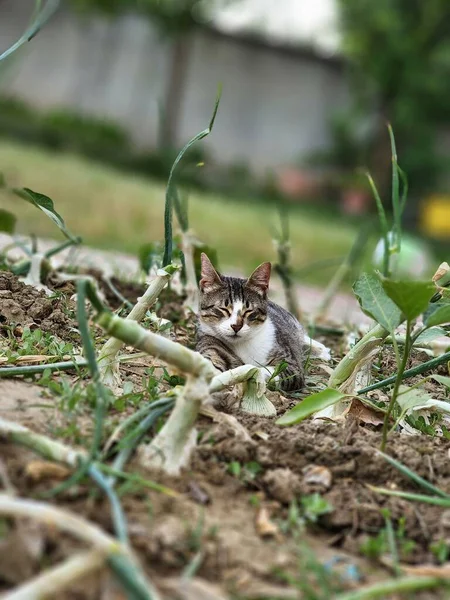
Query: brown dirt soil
[[233, 527], [24, 305]]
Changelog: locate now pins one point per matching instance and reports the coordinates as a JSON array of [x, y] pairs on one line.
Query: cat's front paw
[[216, 360], [291, 381]]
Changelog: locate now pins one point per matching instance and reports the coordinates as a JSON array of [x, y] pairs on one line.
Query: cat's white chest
[[255, 349]]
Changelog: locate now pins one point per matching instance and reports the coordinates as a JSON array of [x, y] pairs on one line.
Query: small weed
[[34, 341], [247, 472], [311, 508], [314, 580], [314, 506], [376, 546], [440, 550]]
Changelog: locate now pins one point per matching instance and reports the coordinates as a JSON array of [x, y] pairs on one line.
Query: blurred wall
[[275, 101]]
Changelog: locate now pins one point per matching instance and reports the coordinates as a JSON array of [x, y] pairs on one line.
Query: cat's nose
[[237, 326]]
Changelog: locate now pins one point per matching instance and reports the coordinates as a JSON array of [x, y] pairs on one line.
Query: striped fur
[[239, 325]]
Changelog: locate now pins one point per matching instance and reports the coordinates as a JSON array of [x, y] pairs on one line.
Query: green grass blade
[[383, 223], [393, 550], [131, 579], [118, 516], [181, 209], [396, 206], [413, 476], [157, 409], [404, 195], [168, 209], [412, 496], [135, 478], [386, 589], [85, 289]]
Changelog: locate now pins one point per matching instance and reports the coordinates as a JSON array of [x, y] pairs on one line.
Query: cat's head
[[230, 307]]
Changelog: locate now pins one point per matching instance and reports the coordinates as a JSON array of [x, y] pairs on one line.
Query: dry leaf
[[264, 526], [38, 470], [364, 413]]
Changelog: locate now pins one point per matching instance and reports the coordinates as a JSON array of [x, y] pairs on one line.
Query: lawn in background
[[112, 210]]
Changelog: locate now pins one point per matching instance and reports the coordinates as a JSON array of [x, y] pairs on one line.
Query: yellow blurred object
[[435, 217]]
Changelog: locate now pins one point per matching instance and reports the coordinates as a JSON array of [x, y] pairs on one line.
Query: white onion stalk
[[108, 365], [59, 578], [254, 400], [171, 449], [41, 444]]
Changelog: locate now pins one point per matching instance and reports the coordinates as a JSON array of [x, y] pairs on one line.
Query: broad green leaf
[[311, 405], [375, 303], [439, 316], [7, 221], [411, 297], [442, 379], [45, 204], [430, 334], [410, 397], [435, 305]]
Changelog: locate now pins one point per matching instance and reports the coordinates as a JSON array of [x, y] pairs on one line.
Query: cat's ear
[[210, 277], [259, 279]]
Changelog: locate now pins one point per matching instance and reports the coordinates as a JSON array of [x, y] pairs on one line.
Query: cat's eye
[[247, 304], [227, 302]]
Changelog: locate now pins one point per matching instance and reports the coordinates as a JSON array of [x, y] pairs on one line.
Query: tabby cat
[[239, 325]]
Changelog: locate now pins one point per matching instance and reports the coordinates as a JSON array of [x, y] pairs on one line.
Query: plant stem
[[231, 377], [170, 450], [59, 366], [120, 558], [107, 358], [46, 447], [61, 518], [398, 380], [62, 246], [34, 369], [393, 586], [55, 580], [341, 273], [171, 352], [418, 370]]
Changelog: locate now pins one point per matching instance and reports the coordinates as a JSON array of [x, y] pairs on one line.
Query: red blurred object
[[295, 183], [354, 201]]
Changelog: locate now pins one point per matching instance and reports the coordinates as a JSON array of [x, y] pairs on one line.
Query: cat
[[238, 325]]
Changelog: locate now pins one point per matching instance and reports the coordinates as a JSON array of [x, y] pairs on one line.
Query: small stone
[[317, 475], [282, 484]]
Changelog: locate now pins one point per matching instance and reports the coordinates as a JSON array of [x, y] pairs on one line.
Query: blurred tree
[[399, 51], [176, 19]]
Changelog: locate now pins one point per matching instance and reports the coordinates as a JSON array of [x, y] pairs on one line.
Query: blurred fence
[[275, 103]]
